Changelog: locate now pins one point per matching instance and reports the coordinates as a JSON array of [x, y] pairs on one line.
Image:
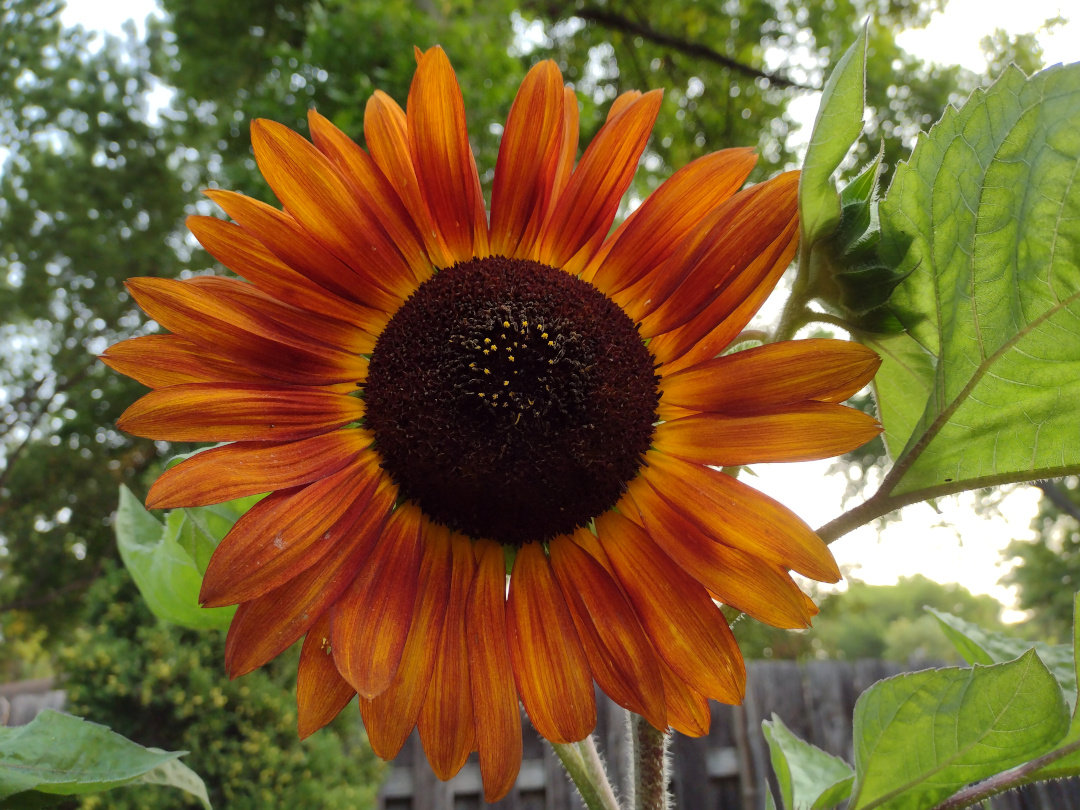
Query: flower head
[[433, 398]]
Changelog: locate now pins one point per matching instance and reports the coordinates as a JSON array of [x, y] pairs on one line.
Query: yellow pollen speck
[[506, 324], [511, 358], [487, 370], [487, 351], [506, 382], [551, 362], [472, 365], [551, 343], [494, 396], [524, 324], [487, 340], [494, 348], [481, 395], [544, 335]]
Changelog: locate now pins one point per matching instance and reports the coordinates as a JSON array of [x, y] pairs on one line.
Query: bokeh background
[[108, 131]]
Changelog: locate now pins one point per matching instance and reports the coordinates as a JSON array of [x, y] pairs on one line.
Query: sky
[[950, 543]]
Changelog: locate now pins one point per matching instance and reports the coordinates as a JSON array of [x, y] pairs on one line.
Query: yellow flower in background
[[428, 393]]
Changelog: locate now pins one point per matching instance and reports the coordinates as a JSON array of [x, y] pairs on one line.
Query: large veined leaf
[[902, 386], [920, 737], [809, 778], [984, 220], [58, 755], [164, 570], [1069, 765], [838, 125]]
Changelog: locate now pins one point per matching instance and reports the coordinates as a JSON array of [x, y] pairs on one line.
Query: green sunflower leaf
[[838, 125], [979, 646], [901, 386], [1070, 764], [983, 224], [921, 736], [162, 566], [809, 778], [58, 755]]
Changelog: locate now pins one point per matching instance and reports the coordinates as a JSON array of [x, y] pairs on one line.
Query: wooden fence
[[727, 770]]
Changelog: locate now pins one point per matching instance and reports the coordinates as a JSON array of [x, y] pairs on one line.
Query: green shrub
[[165, 686]]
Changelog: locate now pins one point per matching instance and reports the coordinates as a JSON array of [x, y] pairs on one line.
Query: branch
[[617, 22], [1059, 499]]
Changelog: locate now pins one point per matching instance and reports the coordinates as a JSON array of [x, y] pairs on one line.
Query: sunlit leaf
[[58, 755], [809, 778], [984, 221], [921, 736]]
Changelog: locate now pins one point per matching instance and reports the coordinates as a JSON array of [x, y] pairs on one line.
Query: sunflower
[[490, 444]]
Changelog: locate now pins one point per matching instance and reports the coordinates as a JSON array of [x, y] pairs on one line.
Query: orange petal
[[265, 627], [370, 623], [772, 375], [712, 330], [237, 470], [216, 412], [550, 667], [442, 157], [321, 693], [588, 205], [799, 432], [686, 627], [158, 361], [650, 235], [491, 677], [243, 335], [375, 193], [248, 257], [567, 149], [747, 225], [298, 323], [288, 532], [744, 581], [621, 657], [528, 159], [386, 133], [390, 717], [622, 103], [740, 516], [446, 719], [688, 710], [301, 251], [317, 196]]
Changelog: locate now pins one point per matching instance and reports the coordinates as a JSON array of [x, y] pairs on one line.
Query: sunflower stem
[[795, 314], [650, 765], [582, 763]]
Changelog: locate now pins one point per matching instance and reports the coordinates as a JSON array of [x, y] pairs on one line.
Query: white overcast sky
[[950, 545]]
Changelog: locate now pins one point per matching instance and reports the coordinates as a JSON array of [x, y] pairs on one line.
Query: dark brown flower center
[[511, 400]]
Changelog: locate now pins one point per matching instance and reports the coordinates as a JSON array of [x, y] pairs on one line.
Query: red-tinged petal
[[528, 159], [317, 196], [370, 623], [301, 251], [446, 720], [688, 710], [216, 412], [491, 676], [771, 376], [591, 544], [288, 532], [751, 222], [621, 657], [301, 325], [711, 331], [622, 103], [740, 516], [375, 192], [158, 361], [390, 717], [571, 131], [686, 627], [442, 157], [650, 236], [265, 627], [237, 470], [386, 133], [248, 257], [321, 692], [550, 667], [798, 432], [744, 581], [588, 205], [244, 336]]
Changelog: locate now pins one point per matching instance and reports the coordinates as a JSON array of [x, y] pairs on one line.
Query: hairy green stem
[[582, 763], [795, 313], [1007, 780], [650, 765]]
